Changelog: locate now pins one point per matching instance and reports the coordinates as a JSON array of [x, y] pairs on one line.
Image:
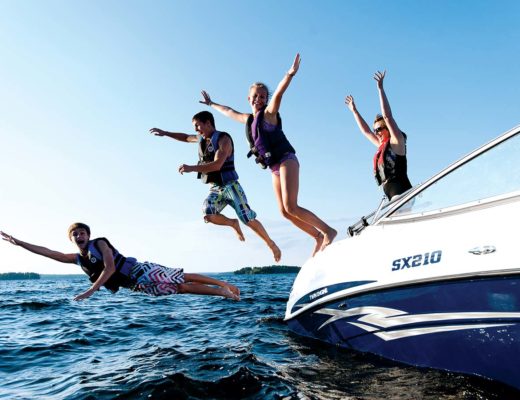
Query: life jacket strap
[[119, 260]]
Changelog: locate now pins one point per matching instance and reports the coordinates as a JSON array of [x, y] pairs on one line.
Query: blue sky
[[82, 82]]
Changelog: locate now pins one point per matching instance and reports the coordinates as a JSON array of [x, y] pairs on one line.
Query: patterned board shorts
[[232, 194], [155, 279]]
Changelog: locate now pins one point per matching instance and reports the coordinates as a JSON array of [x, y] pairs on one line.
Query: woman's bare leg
[[289, 187], [304, 226]]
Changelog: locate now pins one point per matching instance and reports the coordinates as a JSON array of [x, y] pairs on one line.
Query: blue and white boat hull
[[461, 326], [433, 280]]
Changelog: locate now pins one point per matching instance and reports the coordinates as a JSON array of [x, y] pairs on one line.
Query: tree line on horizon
[[19, 275], [271, 269]]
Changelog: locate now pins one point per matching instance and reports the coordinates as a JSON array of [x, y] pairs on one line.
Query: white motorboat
[[431, 279]]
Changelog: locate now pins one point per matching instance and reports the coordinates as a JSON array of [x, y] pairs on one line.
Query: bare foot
[[319, 243], [236, 227], [227, 293], [232, 288], [328, 238], [277, 253]]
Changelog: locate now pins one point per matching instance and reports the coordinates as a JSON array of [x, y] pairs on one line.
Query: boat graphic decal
[[326, 290], [380, 319]]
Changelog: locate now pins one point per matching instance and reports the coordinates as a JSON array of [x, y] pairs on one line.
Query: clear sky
[[82, 82]]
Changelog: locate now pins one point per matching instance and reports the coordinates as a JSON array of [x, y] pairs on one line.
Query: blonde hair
[[260, 85], [378, 118]]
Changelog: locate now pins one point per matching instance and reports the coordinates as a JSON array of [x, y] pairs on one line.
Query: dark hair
[[262, 86], [204, 116], [78, 225]]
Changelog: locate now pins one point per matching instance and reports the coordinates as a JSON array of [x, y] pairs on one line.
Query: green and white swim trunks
[[230, 194]]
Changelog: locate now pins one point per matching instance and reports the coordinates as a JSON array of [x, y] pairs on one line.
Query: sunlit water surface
[[131, 346]]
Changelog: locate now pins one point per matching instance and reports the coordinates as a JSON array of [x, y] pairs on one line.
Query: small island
[[272, 269], [10, 276]]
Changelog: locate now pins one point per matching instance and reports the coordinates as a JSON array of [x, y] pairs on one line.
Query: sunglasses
[[379, 129]]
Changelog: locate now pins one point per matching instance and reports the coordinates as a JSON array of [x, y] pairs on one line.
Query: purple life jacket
[[268, 147]]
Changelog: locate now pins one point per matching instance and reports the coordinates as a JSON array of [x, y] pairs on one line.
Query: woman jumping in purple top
[[272, 149]]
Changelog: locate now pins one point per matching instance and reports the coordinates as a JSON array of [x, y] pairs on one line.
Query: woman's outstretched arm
[[396, 136], [362, 124], [276, 99], [227, 111]]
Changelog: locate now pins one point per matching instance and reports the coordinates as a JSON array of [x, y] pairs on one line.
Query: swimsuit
[[275, 168], [232, 194], [156, 280]]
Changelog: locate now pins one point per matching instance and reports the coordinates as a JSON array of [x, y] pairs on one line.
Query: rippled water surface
[[131, 346]]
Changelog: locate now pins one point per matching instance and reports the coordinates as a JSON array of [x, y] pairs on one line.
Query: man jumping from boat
[[216, 167], [106, 267]]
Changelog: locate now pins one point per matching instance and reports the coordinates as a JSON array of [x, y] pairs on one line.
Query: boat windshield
[[492, 173]]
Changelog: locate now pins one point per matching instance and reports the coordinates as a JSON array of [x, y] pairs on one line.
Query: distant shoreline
[[6, 276], [19, 276], [273, 269]]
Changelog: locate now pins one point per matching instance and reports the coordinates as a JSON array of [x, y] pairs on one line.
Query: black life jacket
[[388, 165], [207, 152], [92, 264], [267, 147]]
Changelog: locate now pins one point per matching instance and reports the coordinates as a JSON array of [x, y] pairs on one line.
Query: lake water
[[131, 346]]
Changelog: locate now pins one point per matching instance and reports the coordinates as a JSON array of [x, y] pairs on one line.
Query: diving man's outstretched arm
[[40, 250], [181, 137]]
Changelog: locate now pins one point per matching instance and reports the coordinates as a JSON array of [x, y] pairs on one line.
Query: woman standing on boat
[[390, 164], [272, 149]]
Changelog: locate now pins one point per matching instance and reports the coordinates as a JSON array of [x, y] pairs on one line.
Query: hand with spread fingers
[[84, 295], [157, 132], [379, 77], [349, 101], [9, 238], [205, 98]]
